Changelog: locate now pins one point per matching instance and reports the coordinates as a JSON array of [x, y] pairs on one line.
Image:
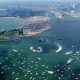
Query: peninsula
[[32, 25]]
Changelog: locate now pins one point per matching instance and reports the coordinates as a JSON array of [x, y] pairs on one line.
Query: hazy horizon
[[39, 1]]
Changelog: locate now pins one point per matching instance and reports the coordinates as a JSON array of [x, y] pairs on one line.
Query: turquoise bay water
[[9, 23], [18, 62]]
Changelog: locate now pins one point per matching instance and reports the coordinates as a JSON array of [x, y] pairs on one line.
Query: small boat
[[59, 47], [69, 52], [14, 50], [50, 72], [70, 61], [31, 48]]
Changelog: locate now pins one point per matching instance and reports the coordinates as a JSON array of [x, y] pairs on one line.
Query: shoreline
[[30, 34]]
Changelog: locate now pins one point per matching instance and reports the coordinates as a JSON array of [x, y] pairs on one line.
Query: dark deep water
[[18, 62]]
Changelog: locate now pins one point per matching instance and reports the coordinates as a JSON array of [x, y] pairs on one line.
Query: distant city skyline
[[39, 0]]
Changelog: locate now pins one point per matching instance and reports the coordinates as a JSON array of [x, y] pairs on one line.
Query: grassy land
[[7, 35], [2, 37]]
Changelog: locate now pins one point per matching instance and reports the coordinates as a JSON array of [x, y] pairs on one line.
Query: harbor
[[41, 44]]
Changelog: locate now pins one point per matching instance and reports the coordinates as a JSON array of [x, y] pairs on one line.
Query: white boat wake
[[14, 50], [59, 47], [70, 61], [69, 52]]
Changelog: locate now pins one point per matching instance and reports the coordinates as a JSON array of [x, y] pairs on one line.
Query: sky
[[39, 0]]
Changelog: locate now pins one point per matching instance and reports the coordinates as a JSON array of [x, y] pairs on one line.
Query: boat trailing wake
[[59, 47], [69, 61], [69, 52]]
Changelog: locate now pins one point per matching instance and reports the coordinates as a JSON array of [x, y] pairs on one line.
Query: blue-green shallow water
[[10, 22], [26, 65]]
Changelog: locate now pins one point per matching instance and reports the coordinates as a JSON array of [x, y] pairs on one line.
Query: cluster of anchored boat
[[38, 49]]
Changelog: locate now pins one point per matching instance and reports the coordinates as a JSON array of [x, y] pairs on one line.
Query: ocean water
[[18, 62]]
